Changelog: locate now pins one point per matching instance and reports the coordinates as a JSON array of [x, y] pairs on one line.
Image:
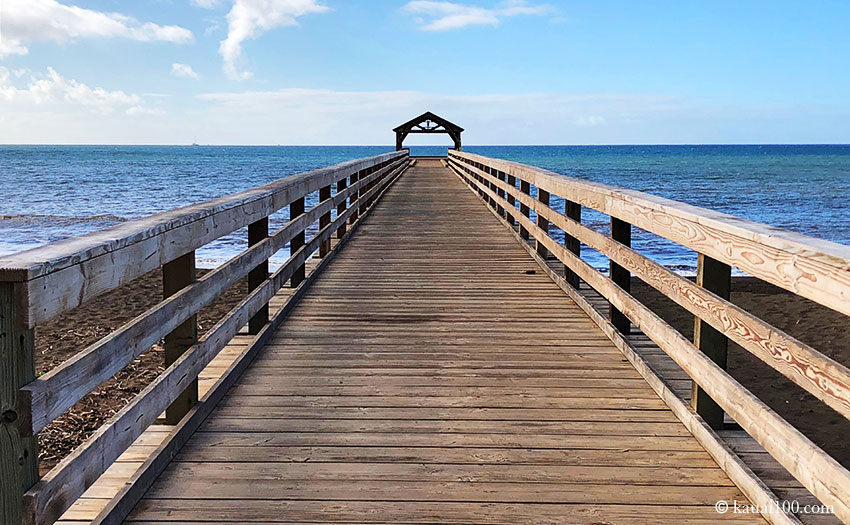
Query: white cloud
[[183, 71], [25, 21], [56, 91], [445, 16], [249, 19]]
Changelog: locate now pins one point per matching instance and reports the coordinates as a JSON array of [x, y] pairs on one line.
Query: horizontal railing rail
[[39, 284], [63, 275], [815, 269]]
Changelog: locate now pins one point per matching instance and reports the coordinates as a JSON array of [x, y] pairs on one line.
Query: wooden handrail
[[820, 375], [49, 396], [827, 379], [812, 268], [65, 274], [174, 234]]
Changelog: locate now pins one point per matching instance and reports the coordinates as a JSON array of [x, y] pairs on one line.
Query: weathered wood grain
[[18, 453]]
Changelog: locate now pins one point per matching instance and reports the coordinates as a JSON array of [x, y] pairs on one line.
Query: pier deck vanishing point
[[435, 362]]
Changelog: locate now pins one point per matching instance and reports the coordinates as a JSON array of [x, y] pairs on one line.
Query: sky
[[317, 72]]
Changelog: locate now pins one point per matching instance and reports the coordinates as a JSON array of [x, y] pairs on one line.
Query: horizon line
[[271, 145]]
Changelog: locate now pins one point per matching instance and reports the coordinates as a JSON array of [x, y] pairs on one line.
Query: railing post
[[573, 211], [257, 232], [176, 275], [353, 197], [500, 192], [340, 208], [480, 179], [296, 208], [377, 181], [621, 232], [542, 223], [524, 187], [364, 189], [18, 454], [324, 220], [511, 199], [490, 185], [715, 277]]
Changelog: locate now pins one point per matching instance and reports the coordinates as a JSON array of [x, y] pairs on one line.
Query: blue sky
[[346, 72]]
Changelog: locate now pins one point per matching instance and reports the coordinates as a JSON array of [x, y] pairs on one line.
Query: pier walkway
[[434, 372], [424, 356]]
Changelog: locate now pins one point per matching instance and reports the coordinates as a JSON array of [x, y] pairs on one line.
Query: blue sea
[[54, 192]]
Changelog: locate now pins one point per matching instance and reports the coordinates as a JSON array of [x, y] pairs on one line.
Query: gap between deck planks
[[434, 373]]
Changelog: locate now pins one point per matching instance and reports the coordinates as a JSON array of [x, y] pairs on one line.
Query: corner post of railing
[[176, 275], [715, 277], [511, 180], [542, 223], [325, 220], [341, 184], [573, 211], [18, 453], [257, 232], [621, 231], [524, 187], [296, 209]]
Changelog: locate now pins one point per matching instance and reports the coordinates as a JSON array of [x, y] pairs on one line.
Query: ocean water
[[54, 192]]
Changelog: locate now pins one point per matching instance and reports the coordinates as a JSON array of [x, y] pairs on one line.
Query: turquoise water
[[54, 192]]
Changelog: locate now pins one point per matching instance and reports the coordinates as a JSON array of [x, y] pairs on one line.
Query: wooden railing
[[812, 268], [37, 285]]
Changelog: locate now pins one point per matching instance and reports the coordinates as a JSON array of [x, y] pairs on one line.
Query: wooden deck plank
[[433, 373]]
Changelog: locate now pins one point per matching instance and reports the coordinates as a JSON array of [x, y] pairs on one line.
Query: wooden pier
[[429, 353]]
